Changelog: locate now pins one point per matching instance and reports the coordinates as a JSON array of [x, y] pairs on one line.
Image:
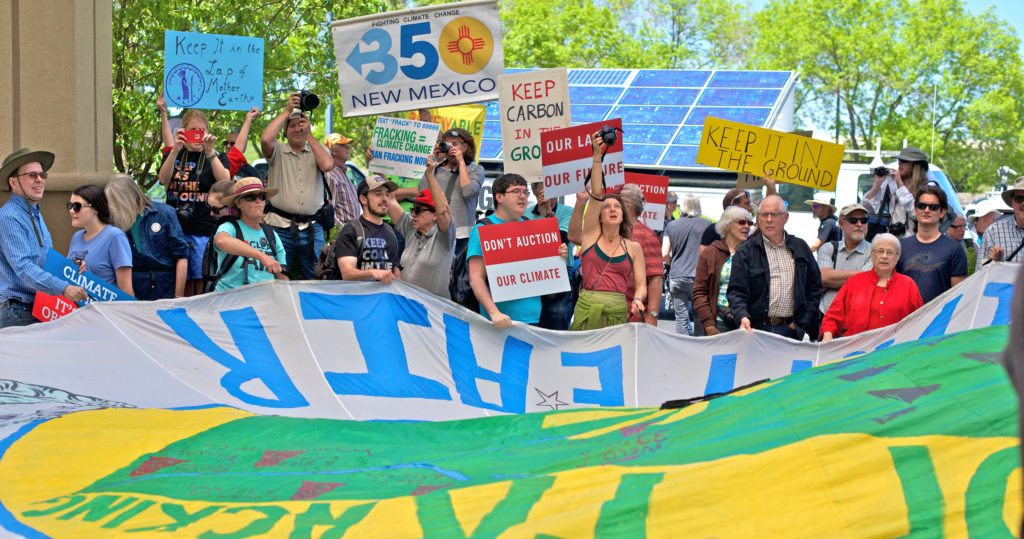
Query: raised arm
[[441, 209], [268, 139], [243, 133]]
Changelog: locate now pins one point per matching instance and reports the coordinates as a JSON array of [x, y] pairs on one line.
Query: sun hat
[[23, 157], [247, 186]]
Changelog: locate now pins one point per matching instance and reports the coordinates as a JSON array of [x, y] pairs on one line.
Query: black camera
[[880, 171], [443, 147], [608, 135], [308, 101]]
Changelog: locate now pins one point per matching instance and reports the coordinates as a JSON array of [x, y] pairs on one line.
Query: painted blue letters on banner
[[213, 71], [97, 288]]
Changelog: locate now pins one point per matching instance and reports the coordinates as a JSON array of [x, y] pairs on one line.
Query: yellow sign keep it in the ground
[[785, 157]]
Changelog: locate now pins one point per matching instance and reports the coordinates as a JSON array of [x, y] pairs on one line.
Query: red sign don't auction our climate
[[522, 259]]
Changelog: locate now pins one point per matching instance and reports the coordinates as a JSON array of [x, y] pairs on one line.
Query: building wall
[[56, 88]]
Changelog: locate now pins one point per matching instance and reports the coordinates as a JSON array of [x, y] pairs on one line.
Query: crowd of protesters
[[744, 272]]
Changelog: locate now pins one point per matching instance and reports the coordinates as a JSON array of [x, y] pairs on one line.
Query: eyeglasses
[[228, 143], [932, 207], [1019, 199], [857, 220], [35, 175], [420, 209], [957, 226], [771, 214], [254, 198], [744, 222], [521, 192], [76, 206], [885, 252], [217, 209]]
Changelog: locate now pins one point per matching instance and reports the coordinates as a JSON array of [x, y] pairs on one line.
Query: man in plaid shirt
[[1004, 240]]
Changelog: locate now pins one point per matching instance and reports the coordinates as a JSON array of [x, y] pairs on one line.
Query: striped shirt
[[1005, 233], [346, 201], [23, 252], [782, 279]]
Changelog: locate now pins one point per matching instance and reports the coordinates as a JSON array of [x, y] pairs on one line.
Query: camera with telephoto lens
[[308, 101], [608, 135], [443, 147], [880, 171]]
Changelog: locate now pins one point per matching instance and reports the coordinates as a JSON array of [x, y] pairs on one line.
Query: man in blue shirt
[[25, 240]]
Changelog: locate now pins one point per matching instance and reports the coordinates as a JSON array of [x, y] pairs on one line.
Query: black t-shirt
[[710, 236], [187, 191], [379, 249]]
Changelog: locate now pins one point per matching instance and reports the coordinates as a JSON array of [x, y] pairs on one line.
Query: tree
[[893, 65], [299, 54]]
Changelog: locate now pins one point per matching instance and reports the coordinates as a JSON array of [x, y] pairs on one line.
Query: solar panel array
[[662, 111]]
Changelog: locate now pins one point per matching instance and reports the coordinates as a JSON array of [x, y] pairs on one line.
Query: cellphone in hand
[[193, 136]]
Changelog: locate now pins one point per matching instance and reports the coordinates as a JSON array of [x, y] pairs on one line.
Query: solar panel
[[662, 110]]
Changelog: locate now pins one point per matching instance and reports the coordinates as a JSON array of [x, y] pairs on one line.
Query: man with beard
[[840, 260], [367, 248]]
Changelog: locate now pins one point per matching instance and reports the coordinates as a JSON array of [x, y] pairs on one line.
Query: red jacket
[[850, 312]]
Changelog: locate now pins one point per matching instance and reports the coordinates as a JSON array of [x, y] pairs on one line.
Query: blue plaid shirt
[[21, 256]]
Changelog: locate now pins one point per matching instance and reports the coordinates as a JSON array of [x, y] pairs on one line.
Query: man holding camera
[[297, 169]]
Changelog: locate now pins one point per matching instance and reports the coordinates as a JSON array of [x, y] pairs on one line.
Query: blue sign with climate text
[[213, 71], [97, 288]]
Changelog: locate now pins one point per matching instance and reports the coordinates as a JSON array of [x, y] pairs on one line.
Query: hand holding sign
[[212, 71], [524, 259]]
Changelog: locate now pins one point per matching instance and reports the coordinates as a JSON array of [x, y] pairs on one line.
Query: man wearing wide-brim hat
[[1004, 240], [822, 208], [258, 250], [25, 240]]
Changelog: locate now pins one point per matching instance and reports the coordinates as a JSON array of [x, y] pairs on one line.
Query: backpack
[[327, 264], [212, 273], [459, 288]]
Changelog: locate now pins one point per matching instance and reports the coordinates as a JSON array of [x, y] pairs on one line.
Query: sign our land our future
[[785, 157], [522, 259], [419, 58], [655, 190], [530, 103], [568, 156]]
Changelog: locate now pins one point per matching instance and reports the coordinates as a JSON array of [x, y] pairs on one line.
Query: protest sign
[[213, 71], [655, 190], [749, 181], [522, 259], [785, 157], [419, 58], [567, 157], [530, 103], [95, 287], [401, 146], [469, 117], [47, 308]]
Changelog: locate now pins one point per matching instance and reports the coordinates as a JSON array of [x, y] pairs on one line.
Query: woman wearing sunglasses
[[247, 239], [874, 298], [101, 249], [714, 268]]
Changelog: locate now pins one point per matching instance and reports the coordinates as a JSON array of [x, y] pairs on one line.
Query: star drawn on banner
[[551, 401]]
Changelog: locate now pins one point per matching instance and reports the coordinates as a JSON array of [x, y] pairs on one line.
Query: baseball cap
[[850, 208], [425, 198], [336, 138], [373, 182]]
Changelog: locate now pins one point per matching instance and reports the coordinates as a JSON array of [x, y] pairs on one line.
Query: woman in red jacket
[[875, 298]]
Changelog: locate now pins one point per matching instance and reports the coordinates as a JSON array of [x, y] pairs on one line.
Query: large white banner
[[373, 351], [419, 58]]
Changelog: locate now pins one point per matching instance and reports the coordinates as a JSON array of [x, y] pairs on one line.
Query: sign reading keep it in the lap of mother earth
[[213, 71], [785, 157]]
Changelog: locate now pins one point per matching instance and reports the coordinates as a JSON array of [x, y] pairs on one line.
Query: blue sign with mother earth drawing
[[213, 71]]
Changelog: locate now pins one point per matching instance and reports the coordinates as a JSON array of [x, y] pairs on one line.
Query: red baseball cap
[[425, 198]]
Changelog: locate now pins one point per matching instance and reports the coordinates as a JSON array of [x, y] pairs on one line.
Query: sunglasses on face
[[217, 209], [420, 209], [932, 207], [956, 226], [229, 143], [744, 222], [1019, 199], [76, 206], [857, 220], [34, 175], [254, 198]]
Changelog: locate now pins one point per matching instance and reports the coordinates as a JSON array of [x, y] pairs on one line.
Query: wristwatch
[[652, 314]]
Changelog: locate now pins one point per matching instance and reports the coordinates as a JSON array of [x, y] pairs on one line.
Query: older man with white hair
[[1004, 240]]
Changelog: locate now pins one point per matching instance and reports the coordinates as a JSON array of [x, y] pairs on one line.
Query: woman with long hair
[[159, 249], [99, 248], [714, 267], [609, 258]]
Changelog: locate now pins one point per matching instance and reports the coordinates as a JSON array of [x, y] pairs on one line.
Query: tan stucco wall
[[56, 59]]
